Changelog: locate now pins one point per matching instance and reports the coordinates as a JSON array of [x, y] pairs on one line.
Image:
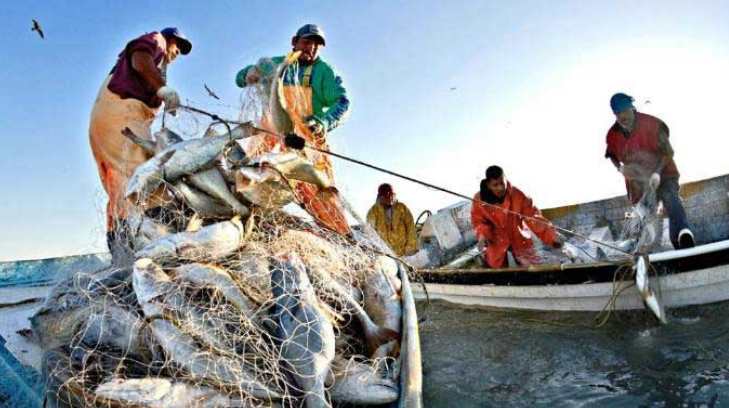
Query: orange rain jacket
[[505, 231]]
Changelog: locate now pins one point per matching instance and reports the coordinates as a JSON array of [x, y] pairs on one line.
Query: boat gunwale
[[670, 262]]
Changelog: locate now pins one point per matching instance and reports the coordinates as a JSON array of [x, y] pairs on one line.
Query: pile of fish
[[223, 299]]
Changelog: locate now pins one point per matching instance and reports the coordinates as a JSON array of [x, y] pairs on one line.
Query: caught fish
[[383, 302], [646, 292], [203, 205], [180, 159], [222, 370], [162, 139], [361, 384], [295, 167], [375, 335], [212, 182], [144, 230], [162, 393], [210, 242], [193, 322], [150, 284], [214, 277], [306, 335], [263, 187], [111, 325]]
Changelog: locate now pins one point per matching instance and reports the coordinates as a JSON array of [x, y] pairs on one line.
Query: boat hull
[[702, 286]]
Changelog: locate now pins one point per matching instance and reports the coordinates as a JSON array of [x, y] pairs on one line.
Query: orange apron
[[116, 156], [323, 205]]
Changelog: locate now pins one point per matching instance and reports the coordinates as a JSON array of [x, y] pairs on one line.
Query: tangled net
[[263, 308]]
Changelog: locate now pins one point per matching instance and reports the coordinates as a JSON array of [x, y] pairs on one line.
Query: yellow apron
[[116, 156], [323, 205]]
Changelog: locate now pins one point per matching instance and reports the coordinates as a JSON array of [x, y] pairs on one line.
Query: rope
[[411, 179]]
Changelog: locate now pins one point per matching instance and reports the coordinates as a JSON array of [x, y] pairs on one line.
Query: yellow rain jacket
[[399, 231]]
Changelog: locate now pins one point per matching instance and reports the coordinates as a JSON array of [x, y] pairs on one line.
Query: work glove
[[558, 243], [294, 141], [482, 244], [170, 97], [252, 76], [315, 126], [655, 180]]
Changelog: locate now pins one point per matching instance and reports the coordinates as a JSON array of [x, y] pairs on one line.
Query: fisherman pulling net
[[225, 299]]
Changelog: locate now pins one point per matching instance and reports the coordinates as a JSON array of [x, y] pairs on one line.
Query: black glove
[[294, 141]]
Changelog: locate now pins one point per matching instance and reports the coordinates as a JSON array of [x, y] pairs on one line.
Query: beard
[[487, 196]]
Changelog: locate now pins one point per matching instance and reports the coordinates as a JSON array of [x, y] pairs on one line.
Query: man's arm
[[537, 223], [664, 148], [143, 63], [481, 225], [335, 99], [412, 239]]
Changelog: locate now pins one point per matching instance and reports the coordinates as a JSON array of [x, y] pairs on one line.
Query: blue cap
[[182, 42], [620, 102], [311, 30]]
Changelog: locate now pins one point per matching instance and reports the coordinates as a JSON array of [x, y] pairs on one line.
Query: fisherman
[[502, 217], [638, 146], [316, 102], [393, 222], [131, 97]]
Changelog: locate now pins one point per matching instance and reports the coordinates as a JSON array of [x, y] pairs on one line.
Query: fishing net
[[218, 305]]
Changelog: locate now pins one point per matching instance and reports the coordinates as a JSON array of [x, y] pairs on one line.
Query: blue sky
[[532, 81]]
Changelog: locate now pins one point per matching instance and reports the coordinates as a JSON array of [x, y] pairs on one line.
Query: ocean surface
[[478, 357]]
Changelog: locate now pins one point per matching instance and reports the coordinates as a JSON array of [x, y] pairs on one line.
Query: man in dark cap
[[393, 222], [638, 146], [504, 218], [312, 95], [131, 96]]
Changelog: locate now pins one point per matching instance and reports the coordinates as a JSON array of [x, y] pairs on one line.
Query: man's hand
[[482, 243], [558, 242], [315, 126], [294, 141], [655, 180], [170, 97], [252, 76]]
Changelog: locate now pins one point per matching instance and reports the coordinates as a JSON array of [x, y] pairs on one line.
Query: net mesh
[[205, 306]]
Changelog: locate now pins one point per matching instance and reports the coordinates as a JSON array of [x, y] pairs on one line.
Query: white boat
[[694, 276]]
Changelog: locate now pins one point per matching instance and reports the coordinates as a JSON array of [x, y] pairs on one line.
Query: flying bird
[[453, 88], [647, 101], [37, 27], [211, 93]]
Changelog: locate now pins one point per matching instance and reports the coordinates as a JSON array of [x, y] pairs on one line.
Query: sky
[[439, 91]]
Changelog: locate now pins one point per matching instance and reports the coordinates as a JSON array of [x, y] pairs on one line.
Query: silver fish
[[193, 321], [162, 393], [224, 371], [117, 327], [203, 205], [646, 292], [359, 383], [306, 335], [214, 241], [383, 302], [180, 159], [162, 139], [212, 182], [144, 230], [150, 284], [212, 276], [375, 335]]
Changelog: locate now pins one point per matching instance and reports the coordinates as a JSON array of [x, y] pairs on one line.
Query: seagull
[[37, 27], [453, 88], [211, 93]]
